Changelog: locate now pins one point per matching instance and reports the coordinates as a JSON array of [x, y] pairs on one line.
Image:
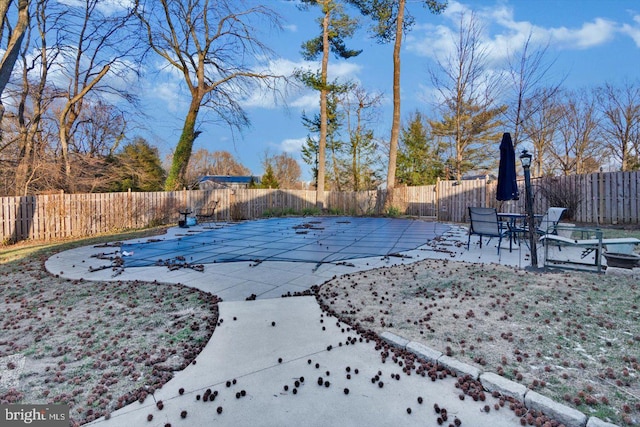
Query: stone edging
[[570, 417]]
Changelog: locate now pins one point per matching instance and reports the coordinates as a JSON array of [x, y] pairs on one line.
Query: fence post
[[437, 201], [600, 217], [486, 190]]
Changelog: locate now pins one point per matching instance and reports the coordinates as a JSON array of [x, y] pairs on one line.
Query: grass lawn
[[95, 346], [572, 336]]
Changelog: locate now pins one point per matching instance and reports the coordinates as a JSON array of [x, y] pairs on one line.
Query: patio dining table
[[515, 224], [511, 219]]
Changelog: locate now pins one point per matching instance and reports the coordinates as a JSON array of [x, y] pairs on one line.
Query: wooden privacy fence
[[600, 198], [56, 216]]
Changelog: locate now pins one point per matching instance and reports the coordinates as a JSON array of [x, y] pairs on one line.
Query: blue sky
[[591, 41]]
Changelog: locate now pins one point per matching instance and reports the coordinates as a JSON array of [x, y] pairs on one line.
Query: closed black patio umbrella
[[507, 183]]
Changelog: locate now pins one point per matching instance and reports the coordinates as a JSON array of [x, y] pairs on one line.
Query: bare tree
[[70, 49], [286, 170], [620, 125], [528, 72], [360, 111], [216, 48], [42, 174], [100, 130], [96, 45], [15, 36], [35, 96], [541, 127], [467, 92], [204, 162], [578, 149]]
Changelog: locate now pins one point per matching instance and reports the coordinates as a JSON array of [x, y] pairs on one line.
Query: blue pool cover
[[305, 239]]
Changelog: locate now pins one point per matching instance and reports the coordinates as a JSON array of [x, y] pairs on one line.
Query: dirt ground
[[574, 337]]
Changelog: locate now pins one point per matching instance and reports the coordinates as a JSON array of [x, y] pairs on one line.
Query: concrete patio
[[266, 357]]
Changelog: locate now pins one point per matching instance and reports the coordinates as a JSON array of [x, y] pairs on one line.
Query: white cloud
[[108, 7], [307, 101], [168, 94], [590, 34], [436, 41], [292, 93], [633, 31], [292, 145], [503, 33]]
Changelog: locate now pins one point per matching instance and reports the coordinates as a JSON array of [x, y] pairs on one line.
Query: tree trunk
[[13, 46], [336, 171], [25, 165], [29, 133], [15, 40], [395, 124], [354, 167], [64, 144], [26, 144], [176, 179], [357, 139], [322, 143]]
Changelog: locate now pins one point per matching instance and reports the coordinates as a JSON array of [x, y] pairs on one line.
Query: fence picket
[[634, 198]]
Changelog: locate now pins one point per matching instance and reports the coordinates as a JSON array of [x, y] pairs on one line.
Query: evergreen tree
[[419, 157], [310, 157], [269, 179], [333, 143], [335, 27], [470, 112], [138, 167], [471, 130]]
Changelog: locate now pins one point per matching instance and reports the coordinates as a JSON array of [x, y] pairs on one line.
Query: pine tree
[[269, 179], [419, 157], [333, 143], [335, 27], [138, 167]]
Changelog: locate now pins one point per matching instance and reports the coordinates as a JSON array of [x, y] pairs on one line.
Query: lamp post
[[525, 159]]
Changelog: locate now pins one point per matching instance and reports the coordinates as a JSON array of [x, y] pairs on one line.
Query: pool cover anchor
[[256, 261]]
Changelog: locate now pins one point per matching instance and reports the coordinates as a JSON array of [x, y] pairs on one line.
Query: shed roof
[[231, 179]]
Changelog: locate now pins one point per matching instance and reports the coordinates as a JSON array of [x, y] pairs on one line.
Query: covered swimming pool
[[317, 240]]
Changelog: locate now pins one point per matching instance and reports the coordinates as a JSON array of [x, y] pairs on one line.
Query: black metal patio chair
[[207, 213], [484, 222]]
